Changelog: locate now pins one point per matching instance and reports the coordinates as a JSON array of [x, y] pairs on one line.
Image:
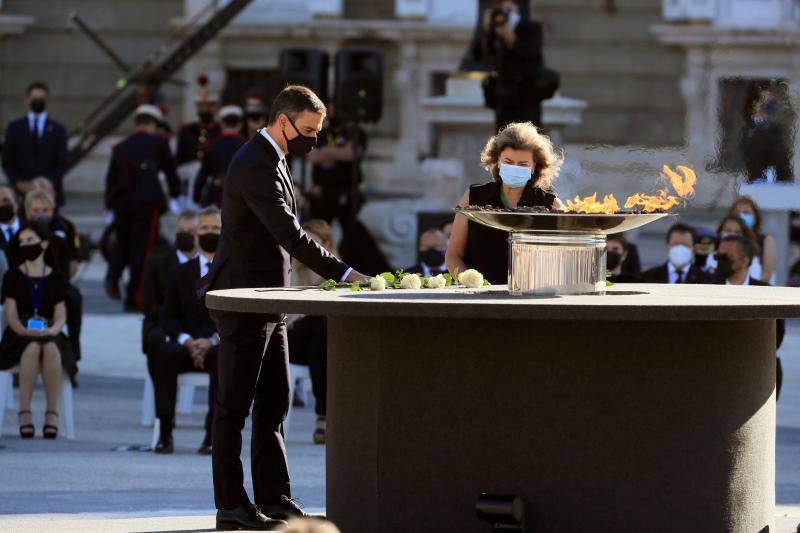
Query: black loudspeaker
[[358, 94], [304, 66]]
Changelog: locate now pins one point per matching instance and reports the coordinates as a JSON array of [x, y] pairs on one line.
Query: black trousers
[[74, 305], [308, 345], [172, 360], [248, 372], [137, 227]]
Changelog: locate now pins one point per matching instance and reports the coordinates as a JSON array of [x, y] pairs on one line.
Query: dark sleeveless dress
[[487, 248]]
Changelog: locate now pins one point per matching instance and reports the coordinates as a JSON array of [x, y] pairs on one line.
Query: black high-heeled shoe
[[26, 431], [49, 431]]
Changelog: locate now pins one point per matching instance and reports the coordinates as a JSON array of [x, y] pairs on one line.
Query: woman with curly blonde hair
[[523, 165]]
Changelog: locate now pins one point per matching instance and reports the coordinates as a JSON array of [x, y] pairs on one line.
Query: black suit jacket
[[660, 274], [50, 160], [154, 288], [260, 231], [780, 324], [183, 312]]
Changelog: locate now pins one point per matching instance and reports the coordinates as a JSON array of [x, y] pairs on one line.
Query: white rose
[[437, 282], [377, 284], [471, 278], [411, 281]]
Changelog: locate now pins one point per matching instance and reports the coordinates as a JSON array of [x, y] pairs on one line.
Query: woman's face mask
[[515, 176]]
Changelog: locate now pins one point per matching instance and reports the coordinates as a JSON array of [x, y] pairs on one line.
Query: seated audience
[[734, 255], [193, 337], [733, 225], [432, 247], [679, 267], [9, 221], [154, 283], [767, 253], [705, 242], [40, 207], [616, 254], [35, 314], [308, 334]]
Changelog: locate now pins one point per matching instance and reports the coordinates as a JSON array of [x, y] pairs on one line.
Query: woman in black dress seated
[[523, 165], [33, 299]]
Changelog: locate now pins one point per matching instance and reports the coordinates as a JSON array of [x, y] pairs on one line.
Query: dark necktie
[[35, 134], [679, 272]]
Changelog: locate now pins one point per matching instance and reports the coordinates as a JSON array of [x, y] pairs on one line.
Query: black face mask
[[208, 242], [30, 252], [6, 213], [205, 116], [301, 145], [724, 266], [37, 105], [184, 241], [432, 257], [42, 220], [613, 259]]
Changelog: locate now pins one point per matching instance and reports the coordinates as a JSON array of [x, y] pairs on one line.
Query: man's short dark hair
[[37, 85], [292, 101], [746, 247], [620, 238], [680, 228]]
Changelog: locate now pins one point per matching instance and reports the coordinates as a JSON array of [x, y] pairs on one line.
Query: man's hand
[[201, 349], [506, 33], [356, 276]]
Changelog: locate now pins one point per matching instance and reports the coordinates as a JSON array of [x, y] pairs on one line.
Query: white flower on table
[[377, 283], [471, 278], [437, 282], [411, 281]]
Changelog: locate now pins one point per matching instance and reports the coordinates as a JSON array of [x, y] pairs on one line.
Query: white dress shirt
[[183, 258], [282, 157], [37, 121]]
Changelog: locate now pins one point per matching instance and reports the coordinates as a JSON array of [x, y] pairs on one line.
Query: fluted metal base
[[546, 264]]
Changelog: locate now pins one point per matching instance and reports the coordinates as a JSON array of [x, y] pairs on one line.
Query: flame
[[682, 183], [684, 187], [591, 205], [649, 203]]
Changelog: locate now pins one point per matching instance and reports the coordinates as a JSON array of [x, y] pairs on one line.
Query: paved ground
[[101, 483]]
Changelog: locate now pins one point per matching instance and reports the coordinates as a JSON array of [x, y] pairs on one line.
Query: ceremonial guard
[[208, 183], [136, 200], [194, 138]]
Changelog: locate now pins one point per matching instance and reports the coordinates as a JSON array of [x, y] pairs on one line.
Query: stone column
[[700, 109], [407, 83]]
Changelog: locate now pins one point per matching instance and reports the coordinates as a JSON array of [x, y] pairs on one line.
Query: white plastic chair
[[186, 385], [66, 421]]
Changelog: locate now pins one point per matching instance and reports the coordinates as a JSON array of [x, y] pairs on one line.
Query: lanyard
[[504, 197], [35, 298]]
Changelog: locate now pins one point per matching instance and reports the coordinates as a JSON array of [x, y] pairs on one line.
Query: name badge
[[37, 323]]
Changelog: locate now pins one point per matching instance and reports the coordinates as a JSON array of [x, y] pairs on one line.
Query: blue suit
[[24, 159]]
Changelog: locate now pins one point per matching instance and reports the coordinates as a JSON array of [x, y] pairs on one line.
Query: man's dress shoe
[[164, 446], [246, 517], [284, 508]]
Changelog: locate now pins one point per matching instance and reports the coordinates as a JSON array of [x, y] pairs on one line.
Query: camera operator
[[514, 44]]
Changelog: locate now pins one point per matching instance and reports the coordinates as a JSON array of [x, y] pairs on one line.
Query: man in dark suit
[[154, 285], [680, 267], [134, 196], [208, 183], [432, 246], [35, 146], [260, 236], [617, 252], [9, 221], [193, 340], [734, 255], [514, 43]]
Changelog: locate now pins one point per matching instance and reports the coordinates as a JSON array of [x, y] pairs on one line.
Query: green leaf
[[448, 278], [355, 287], [609, 284], [329, 285], [486, 282], [389, 277]]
